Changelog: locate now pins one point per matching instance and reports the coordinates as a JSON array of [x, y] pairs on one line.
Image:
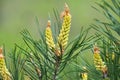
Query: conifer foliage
[[53, 56]]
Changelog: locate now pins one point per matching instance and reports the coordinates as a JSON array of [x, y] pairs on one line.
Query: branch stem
[[56, 65]]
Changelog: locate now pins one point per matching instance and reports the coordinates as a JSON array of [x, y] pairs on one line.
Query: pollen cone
[[64, 32], [48, 35], [3, 70]]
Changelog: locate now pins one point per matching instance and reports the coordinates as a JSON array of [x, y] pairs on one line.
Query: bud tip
[[49, 23]]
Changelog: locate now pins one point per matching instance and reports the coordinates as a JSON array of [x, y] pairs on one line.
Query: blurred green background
[[15, 15]]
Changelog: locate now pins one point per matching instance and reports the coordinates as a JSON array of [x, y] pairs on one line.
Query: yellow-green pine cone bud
[[64, 32], [3, 70], [49, 38], [99, 64], [84, 76], [113, 56]]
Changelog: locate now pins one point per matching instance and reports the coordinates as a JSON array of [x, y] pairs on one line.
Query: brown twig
[[56, 65]]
